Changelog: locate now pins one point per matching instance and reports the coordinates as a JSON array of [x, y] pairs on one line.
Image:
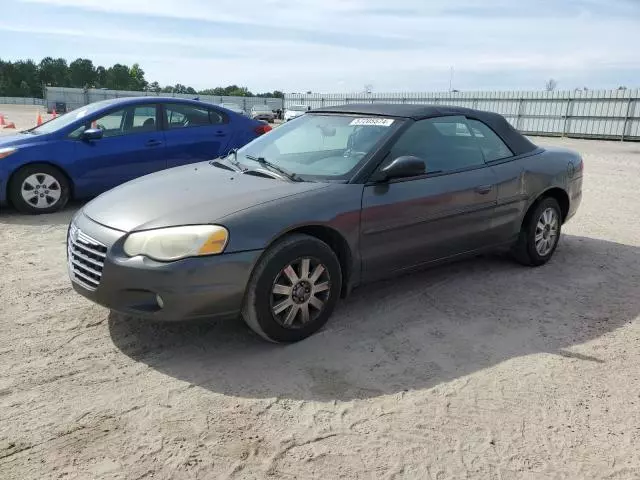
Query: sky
[[339, 45]]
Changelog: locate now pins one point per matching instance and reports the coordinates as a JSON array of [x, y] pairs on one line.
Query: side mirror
[[92, 134], [405, 166]]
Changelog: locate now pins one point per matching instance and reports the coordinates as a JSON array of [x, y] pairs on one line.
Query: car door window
[[187, 116], [493, 148], [127, 121], [445, 144], [111, 124], [144, 118], [216, 117]]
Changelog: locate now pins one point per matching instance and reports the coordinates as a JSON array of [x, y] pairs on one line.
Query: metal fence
[[604, 114], [21, 101], [77, 97]]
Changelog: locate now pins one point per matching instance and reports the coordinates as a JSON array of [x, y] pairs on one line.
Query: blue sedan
[[99, 146]]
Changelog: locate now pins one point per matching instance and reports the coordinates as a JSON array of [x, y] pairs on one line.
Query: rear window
[[492, 146]]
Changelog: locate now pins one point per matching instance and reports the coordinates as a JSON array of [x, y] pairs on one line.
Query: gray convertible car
[[277, 231]]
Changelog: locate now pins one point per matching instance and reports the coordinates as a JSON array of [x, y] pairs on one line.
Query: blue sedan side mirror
[[92, 134]]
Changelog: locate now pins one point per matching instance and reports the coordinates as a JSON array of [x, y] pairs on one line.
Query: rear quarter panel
[[523, 180]]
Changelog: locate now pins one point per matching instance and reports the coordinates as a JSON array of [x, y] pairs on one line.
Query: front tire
[[293, 289], [39, 188], [540, 234]]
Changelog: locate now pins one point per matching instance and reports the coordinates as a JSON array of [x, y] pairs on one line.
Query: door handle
[[153, 143], [484, 189], [220, 133]]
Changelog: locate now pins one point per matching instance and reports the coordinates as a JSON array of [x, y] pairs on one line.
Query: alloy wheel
[[546, 232], [300, 292]]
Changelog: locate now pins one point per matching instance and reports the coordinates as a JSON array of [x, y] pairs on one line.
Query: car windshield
[[314, 146], [67, 119], [298, 108]]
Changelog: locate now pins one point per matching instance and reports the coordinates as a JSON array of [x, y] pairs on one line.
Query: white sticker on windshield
[[374, 122]]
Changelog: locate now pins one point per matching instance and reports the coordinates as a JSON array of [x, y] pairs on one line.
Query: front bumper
[[204, 287]]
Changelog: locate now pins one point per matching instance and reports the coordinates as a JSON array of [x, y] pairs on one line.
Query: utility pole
[[451, 80]]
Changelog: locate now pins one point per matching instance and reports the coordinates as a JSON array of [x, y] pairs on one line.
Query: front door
[[448, 211], [131, 146]]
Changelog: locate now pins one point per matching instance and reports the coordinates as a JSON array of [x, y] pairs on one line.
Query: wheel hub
[[301, 292], [41, 190]]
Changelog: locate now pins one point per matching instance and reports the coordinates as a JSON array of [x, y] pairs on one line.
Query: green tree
[[26, 78], [82, 73], [101, 77], [137, 81], [179, 88], [118, 77], [153, 87], [20, 79], [54, 72]]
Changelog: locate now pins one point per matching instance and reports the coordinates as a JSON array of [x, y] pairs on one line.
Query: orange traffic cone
[[54, 114], [39, 119], [10, 125], [2, 120]]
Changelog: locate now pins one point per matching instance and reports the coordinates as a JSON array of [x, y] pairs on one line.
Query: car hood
[[188, 195], [19, 139]]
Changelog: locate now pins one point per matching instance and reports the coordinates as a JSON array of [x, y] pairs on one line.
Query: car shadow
[[412, 332], [10, 216]]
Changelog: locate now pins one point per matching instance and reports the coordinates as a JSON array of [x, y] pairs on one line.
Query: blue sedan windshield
[[68, 118], [327, 146]]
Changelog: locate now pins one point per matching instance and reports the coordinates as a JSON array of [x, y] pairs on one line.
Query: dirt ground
[[483, 369], [23, 116]]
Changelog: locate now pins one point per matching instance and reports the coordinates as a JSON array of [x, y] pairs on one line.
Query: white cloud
[[409, 43]]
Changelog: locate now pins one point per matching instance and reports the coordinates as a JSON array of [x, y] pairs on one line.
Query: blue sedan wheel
[[39, 188]]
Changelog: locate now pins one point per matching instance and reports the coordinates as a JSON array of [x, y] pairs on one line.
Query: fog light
[[159, 301]]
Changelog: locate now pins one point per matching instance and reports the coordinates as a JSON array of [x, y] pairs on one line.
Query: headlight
[[5, 152], [174, 243]]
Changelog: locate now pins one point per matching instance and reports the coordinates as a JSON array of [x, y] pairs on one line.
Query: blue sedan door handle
[[484, 189], [153, 143], [220, 133]]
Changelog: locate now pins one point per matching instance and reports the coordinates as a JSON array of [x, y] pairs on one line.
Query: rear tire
[[293, 289], [540, 234], [39, 188]]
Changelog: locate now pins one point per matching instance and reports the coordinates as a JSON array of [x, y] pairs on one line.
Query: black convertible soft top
[[517, 142]]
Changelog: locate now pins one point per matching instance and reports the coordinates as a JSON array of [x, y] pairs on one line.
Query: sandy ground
[[482, 369], [24, 116]]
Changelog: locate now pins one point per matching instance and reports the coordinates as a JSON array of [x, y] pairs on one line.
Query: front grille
[[85, 257]]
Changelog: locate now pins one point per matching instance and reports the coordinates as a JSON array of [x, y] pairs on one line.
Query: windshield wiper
[[264, 162], [233, 161]]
